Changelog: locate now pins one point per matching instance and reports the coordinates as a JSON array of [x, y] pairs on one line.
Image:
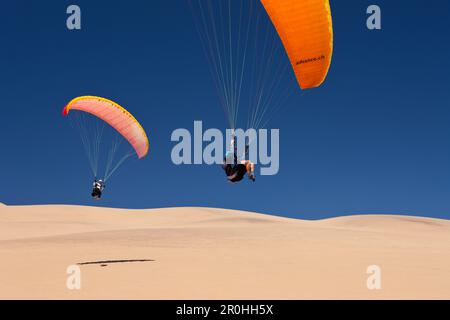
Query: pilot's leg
[[250, 166]]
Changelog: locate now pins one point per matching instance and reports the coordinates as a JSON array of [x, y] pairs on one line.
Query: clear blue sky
[[375, 138]]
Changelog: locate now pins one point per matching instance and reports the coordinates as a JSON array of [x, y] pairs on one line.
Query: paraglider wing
[[116, 116], [306, 30]]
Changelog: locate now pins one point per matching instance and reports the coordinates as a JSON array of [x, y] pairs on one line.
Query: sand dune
[[203, 253]]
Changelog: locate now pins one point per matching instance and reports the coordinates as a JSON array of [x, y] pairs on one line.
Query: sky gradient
[[375, 138]]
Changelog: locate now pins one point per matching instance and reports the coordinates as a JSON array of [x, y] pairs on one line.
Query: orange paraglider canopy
[[306, 29], [116, 116]]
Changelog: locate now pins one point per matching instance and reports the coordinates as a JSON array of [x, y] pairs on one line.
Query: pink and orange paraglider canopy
[[116, 116]]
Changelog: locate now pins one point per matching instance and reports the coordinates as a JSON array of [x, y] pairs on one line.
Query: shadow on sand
[[104, 263]]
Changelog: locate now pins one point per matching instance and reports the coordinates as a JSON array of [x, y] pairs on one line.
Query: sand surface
[[202, 253]]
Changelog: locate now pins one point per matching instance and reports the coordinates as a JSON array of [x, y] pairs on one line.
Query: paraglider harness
[[97, 190], [235, 172]]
